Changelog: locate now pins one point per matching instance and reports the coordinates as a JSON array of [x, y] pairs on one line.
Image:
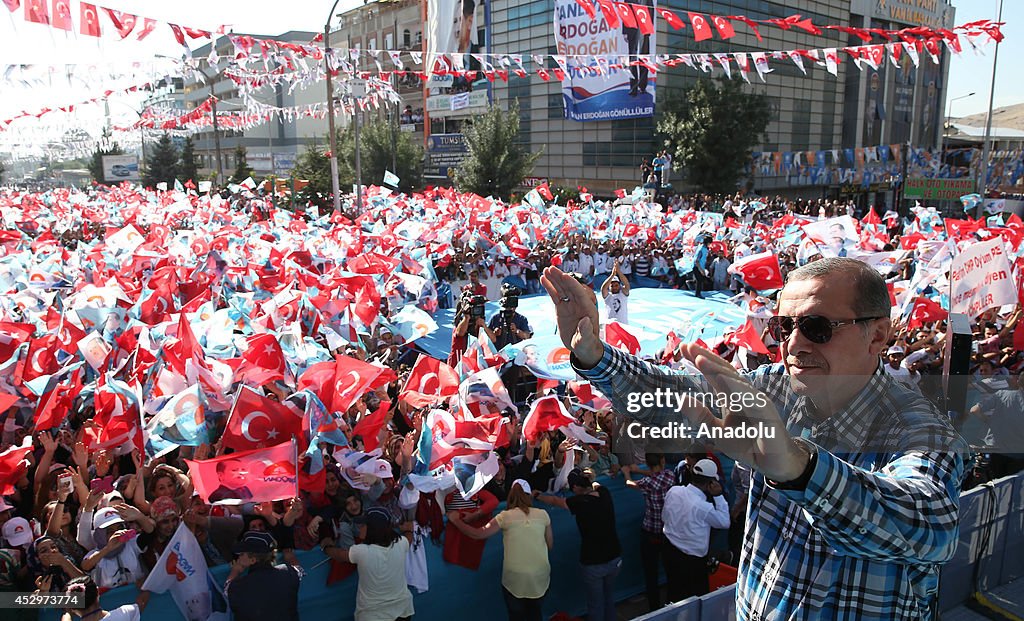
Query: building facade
[[817, 118]]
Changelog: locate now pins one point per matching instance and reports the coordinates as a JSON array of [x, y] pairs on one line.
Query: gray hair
[[871, 297]]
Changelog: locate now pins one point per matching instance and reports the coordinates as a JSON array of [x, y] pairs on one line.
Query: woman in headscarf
[[45, 558]]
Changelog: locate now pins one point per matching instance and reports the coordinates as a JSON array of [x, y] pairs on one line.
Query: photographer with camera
[[508, 325], [469, 319]]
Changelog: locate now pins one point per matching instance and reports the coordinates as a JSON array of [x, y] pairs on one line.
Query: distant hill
[[1011, 117]]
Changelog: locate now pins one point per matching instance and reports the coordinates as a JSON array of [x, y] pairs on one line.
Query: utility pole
[[332, 140], [216, 135], [983, 173]]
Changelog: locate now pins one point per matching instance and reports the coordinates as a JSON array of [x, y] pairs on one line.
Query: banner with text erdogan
[[601, 82]]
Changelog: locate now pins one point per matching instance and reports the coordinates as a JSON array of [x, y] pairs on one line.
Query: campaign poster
[[601, 81]]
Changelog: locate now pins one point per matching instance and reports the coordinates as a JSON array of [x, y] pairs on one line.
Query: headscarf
[[35, 564]]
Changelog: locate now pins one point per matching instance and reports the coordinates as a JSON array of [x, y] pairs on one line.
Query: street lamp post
[[332, 140], [983, 173], [948, 127]]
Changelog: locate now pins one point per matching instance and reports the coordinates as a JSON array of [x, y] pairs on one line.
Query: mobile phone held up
[[65, 483], [104, 485]]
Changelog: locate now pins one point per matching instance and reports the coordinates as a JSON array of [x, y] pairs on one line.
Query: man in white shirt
[[899, 367], [615, 292], [586, 262], [690, 512], [602, 261]]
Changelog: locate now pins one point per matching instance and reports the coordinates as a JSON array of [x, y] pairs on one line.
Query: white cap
[[523, 484], [894, 350], [106, 517], [18, 532], [706, 468]]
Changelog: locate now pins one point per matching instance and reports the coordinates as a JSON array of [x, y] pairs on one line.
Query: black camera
[[472, 304], [509, 297]]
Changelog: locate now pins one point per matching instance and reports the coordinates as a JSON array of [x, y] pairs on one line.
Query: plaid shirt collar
[[850, 428]]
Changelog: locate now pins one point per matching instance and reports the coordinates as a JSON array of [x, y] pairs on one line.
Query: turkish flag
[[746, 336], [671, 18], [55, 403], [353, 378], [89, 23], [373, 263], [545, 191], [626, 15], [724, 27], [41, 359], [123, 22], [546, 414], [588, 7], [117, 414], [12, 335], [362, 291], [643, 19], [185, 347], [369, 426], [611, 15], [876, 55], [257, 422], [617, 336], [631, 230], [62, 15], [12, 5], [909, 242], [36, 12], [701, 28], [262, 362], [925, 311], [179, 36], [429, 382], [759, 271], [871, 217], [13, 465], [148, 26]]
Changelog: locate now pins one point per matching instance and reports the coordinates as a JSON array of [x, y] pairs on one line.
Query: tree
[[711, 131], [187, 169], [242, 169], [314, 165], [96, 162], [495, 163], [376, 154], [162, 164]]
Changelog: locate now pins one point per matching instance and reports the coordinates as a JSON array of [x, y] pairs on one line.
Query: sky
[[23, 42], [969, 73]]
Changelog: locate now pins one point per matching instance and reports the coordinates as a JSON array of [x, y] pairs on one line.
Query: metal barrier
[[988, 555]]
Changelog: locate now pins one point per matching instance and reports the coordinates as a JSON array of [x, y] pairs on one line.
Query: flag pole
[[295, 453]]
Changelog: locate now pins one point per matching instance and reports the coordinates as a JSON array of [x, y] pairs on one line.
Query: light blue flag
[[970, 201], [181, 420]]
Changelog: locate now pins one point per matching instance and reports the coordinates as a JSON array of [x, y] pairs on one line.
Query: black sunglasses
[[815, 328]]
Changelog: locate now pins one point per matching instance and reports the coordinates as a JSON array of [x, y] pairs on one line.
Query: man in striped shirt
[[854, 502]]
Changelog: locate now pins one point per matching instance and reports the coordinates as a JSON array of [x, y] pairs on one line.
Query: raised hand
[[778, 457], [576, 312]]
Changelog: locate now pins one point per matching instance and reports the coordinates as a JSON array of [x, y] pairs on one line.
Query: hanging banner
[[608, 85]]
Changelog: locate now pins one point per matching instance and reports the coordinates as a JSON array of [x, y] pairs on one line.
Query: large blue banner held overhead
[[598, 55]]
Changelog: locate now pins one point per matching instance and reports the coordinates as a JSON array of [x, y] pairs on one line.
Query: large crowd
[[85, 510]]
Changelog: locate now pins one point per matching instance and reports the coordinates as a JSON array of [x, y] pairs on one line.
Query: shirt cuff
[[823, 493], [602, 370]]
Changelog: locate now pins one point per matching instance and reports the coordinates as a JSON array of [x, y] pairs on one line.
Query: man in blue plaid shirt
[[854, 503]]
